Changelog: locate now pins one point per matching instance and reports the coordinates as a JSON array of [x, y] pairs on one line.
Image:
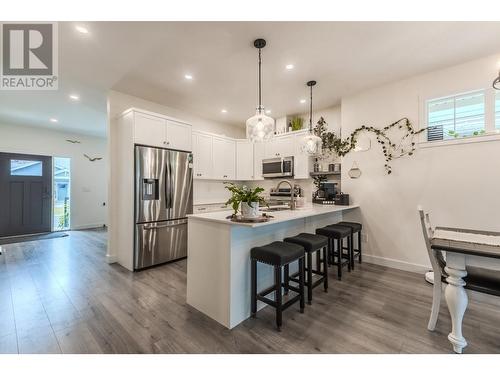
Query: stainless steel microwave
[[277, 167]]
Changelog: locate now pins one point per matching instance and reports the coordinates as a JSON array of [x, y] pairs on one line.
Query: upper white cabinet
[[202, 155], [158, 131], [178, 136], [149, 130], [224, 158], [280, 146], [301, 160], [259, 153], [244, 160]]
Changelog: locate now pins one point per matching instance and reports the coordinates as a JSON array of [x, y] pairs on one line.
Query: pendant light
[[311, 143], [496, 82], [260, 127]]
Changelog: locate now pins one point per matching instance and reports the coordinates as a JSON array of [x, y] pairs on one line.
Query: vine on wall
[[391, 149]]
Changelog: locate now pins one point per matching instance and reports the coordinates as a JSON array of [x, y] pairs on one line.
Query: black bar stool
[[277, 254], [356, 228], [312, 243], [337, 233]]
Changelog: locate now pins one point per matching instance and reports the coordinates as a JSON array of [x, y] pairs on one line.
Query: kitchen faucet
[[292, 192]]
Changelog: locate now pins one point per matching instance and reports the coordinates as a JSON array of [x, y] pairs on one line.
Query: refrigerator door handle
[[166, 225]]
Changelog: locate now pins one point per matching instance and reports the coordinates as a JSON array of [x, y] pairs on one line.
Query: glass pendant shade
[[311, 144], [260, 127]]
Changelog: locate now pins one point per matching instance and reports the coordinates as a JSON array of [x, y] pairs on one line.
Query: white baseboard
[[87, 226], [394, 263], [111, 258]]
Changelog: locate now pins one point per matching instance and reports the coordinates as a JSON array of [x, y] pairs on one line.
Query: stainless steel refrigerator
[[163, 199]]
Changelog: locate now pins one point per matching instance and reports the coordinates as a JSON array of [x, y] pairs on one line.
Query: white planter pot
[[250, 211]]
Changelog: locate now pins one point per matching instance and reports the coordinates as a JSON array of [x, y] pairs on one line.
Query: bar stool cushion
[[277, 253], [310, 242], [356, 227], [335, 231]]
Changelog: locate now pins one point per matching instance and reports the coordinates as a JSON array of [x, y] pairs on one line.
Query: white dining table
[[462, 247]]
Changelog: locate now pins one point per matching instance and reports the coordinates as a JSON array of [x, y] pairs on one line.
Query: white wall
[[88, 179], [458, 184]]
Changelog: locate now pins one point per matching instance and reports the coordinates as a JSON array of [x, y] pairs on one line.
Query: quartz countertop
[[277, 216]]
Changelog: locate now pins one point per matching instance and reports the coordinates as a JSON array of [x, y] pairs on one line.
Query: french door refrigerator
[[163, 199]]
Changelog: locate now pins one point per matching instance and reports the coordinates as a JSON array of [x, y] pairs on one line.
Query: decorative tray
[[239, 219]]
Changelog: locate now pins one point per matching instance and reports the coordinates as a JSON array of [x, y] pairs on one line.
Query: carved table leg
[[456, 298]]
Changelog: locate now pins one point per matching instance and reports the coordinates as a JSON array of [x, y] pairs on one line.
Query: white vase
[[250, 211]]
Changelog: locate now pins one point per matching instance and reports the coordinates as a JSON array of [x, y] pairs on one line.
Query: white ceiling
[[150, 59]]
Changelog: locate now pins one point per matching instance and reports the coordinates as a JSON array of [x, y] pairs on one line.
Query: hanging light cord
[[311, 111], [260, 81]]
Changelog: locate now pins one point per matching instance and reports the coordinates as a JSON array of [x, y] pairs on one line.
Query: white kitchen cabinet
[[178, 136], [259, 153], [149, 130], [280, 146], [244, 160], [301, 161], [202, 156], [224, 158]]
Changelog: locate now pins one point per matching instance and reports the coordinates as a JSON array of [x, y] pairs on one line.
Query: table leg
[[456, 298]]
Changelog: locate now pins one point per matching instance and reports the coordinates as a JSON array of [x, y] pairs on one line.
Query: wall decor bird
[[73, 141], [91, 159]]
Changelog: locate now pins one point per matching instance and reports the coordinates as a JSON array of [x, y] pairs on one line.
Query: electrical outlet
[[364, 237]]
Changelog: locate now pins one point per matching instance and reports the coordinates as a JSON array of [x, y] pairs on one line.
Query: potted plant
[[297, 123], [246, 198]]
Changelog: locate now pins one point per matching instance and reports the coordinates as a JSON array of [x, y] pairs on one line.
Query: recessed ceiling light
[[223, 110], [302, 101], [289, 67], [82, 29], [268, 111], [188, 77], [74, 97], [54, 120]]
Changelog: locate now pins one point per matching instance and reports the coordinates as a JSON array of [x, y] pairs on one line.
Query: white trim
[[153, 114], [453, 142], [111, 259], [88, 226], [394, 263]]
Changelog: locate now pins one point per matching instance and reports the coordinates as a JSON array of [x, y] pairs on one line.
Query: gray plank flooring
[[59, 296]]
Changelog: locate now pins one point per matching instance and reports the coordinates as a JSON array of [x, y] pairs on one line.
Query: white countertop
[[278, 216]]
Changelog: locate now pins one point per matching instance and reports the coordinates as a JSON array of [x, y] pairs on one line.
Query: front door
[[25, 194]]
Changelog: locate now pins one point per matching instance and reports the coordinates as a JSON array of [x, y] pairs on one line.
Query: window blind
[[456, 116]]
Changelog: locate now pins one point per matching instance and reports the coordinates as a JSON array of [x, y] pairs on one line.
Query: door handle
[[168, 225]]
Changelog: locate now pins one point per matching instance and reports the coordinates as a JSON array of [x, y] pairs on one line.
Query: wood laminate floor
[[59, 296]]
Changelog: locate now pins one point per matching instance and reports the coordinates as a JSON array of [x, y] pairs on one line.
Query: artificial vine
[[391, 150]]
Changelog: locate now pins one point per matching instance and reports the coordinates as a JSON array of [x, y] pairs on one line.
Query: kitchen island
[[218, 263]]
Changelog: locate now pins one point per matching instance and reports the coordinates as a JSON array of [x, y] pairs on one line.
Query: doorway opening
[[62, 193]]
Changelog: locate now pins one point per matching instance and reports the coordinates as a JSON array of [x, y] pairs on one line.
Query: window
[[25, 168], [458, 116], [62, 191]]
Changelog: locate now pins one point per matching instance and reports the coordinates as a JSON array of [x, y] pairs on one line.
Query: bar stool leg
[[359, 246], [301, 284], [339, 258], [287, 278], [254, 287], [309, 277], [350, 256], [278, 297], [325, 269], [318, 261]]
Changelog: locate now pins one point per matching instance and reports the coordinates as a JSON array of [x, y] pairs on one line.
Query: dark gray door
[[25, 194]]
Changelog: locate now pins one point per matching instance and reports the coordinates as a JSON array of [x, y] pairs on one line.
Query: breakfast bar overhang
[[218, 263]]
